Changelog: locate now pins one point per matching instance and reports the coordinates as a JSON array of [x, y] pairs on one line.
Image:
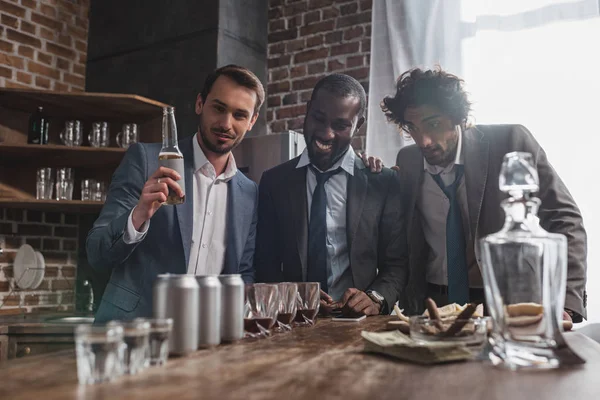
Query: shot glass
[[97, 348], [288, 293], [307, 301], [135, 345]]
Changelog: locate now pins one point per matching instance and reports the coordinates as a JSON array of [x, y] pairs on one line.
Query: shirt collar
[[346, 162], [201, 162], [458, 159]]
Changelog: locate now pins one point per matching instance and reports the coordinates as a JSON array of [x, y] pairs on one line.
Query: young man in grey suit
[[456, 167], [212, 232], [324, 217]]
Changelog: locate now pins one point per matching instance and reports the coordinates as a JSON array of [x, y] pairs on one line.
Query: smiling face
[[329, 125], [434, 132], [225, 115]]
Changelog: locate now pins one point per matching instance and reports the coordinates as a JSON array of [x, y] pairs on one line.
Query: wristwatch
[[377, 298]]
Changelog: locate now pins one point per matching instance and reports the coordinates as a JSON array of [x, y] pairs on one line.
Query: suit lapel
[[185, 211], [235, 212], [356, 195], [297, 199], [476, 150]]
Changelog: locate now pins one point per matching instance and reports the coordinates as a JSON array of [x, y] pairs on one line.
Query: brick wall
[[43, 44], [55, 236], [309, 39]]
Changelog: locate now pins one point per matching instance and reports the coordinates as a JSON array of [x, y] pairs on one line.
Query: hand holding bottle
[[154, 194]]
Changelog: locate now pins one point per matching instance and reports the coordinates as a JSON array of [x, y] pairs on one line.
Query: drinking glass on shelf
[[309, 294], [261, 308], [128, 136], [44, 183], [98, 192], [99, 136], [71, 135], [288, 292], [97, 349], [64, 184], [87, 189]]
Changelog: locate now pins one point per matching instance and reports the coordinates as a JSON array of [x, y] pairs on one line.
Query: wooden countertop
[[322, 362]]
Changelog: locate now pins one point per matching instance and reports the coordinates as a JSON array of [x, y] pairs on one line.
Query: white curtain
[[531, 62]]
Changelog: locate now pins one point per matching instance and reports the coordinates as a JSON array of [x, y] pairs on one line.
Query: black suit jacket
[[484, 147], [375, 229]]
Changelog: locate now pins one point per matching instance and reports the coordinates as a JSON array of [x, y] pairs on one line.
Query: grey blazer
[[375, 229], [166, 247], [484, 147]]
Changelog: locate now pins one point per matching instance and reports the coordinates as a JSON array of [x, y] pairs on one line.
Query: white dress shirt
[[433, 206], [339, 274], [207, 252]]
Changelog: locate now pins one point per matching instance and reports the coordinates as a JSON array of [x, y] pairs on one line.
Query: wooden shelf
[[71, 206], [50, 155]]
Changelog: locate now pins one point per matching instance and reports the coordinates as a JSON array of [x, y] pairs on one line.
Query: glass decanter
[[524, 272]]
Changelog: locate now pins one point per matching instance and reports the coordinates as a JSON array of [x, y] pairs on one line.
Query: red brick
[[36, 243], [5, 46], [34, 230], [278, 87], [63, 65], [314, 4], [334, 37], [355, 61], [279, 74], [70, 6], [83, 22], [8, 271], [314, 41], [305, 96], [81, 45], [65, 40], [366, 5], [51, 272], [51, 244], [5, 72], [312, 17], [279, 61], [9, 21], [28, 27], [43, 70], [270, 116], [48, 11], [277, 48], [64, 231], [68, 272], [310, 55], [15, 85], [294, 22], [276, 3], [79, 69], [80, 33], [346, 48], [277, 126], [359, 74], [353, 32], [298, 72], [335, 65], [276, 12], [4, 287], [306, 83], [316, 68], [23, 39], [30, 4], [45, 58], [365, 45], [295, 124], [283, 35], [12, 242], [276, 25], [273, 101], [32, 299], [47, 34], [291, 112], [69, 245], [24, 77], [12, 61], [355, 19], [63, 284], [316, 28], [60, 50], [45, 285], [45, 21], [368, 30], [294, 45], [60, 87], [349, 9], [8, 257], [43, 83], [12, 300], [295, 8], [290, 98], [13, 9], [330, 13]]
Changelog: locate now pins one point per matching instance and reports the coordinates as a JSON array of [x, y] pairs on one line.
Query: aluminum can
[[232, 321], [176, 296], [209, 321]]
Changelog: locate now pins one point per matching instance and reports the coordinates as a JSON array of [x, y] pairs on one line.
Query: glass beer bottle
[[170, 156]]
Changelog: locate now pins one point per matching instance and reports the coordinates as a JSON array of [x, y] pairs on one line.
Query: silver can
[[176, 297], [209, 322], [232, 322]]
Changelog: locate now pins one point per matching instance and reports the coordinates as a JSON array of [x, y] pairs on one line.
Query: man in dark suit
[[212, 232], [455, 167], [324, 217]]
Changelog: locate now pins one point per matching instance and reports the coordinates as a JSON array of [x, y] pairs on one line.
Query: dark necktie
[[458, 275], [317, 231]]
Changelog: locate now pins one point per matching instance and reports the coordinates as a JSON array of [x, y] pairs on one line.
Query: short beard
[[211, 146]]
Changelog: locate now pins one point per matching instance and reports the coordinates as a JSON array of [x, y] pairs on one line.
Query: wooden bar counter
[[321, 362]]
